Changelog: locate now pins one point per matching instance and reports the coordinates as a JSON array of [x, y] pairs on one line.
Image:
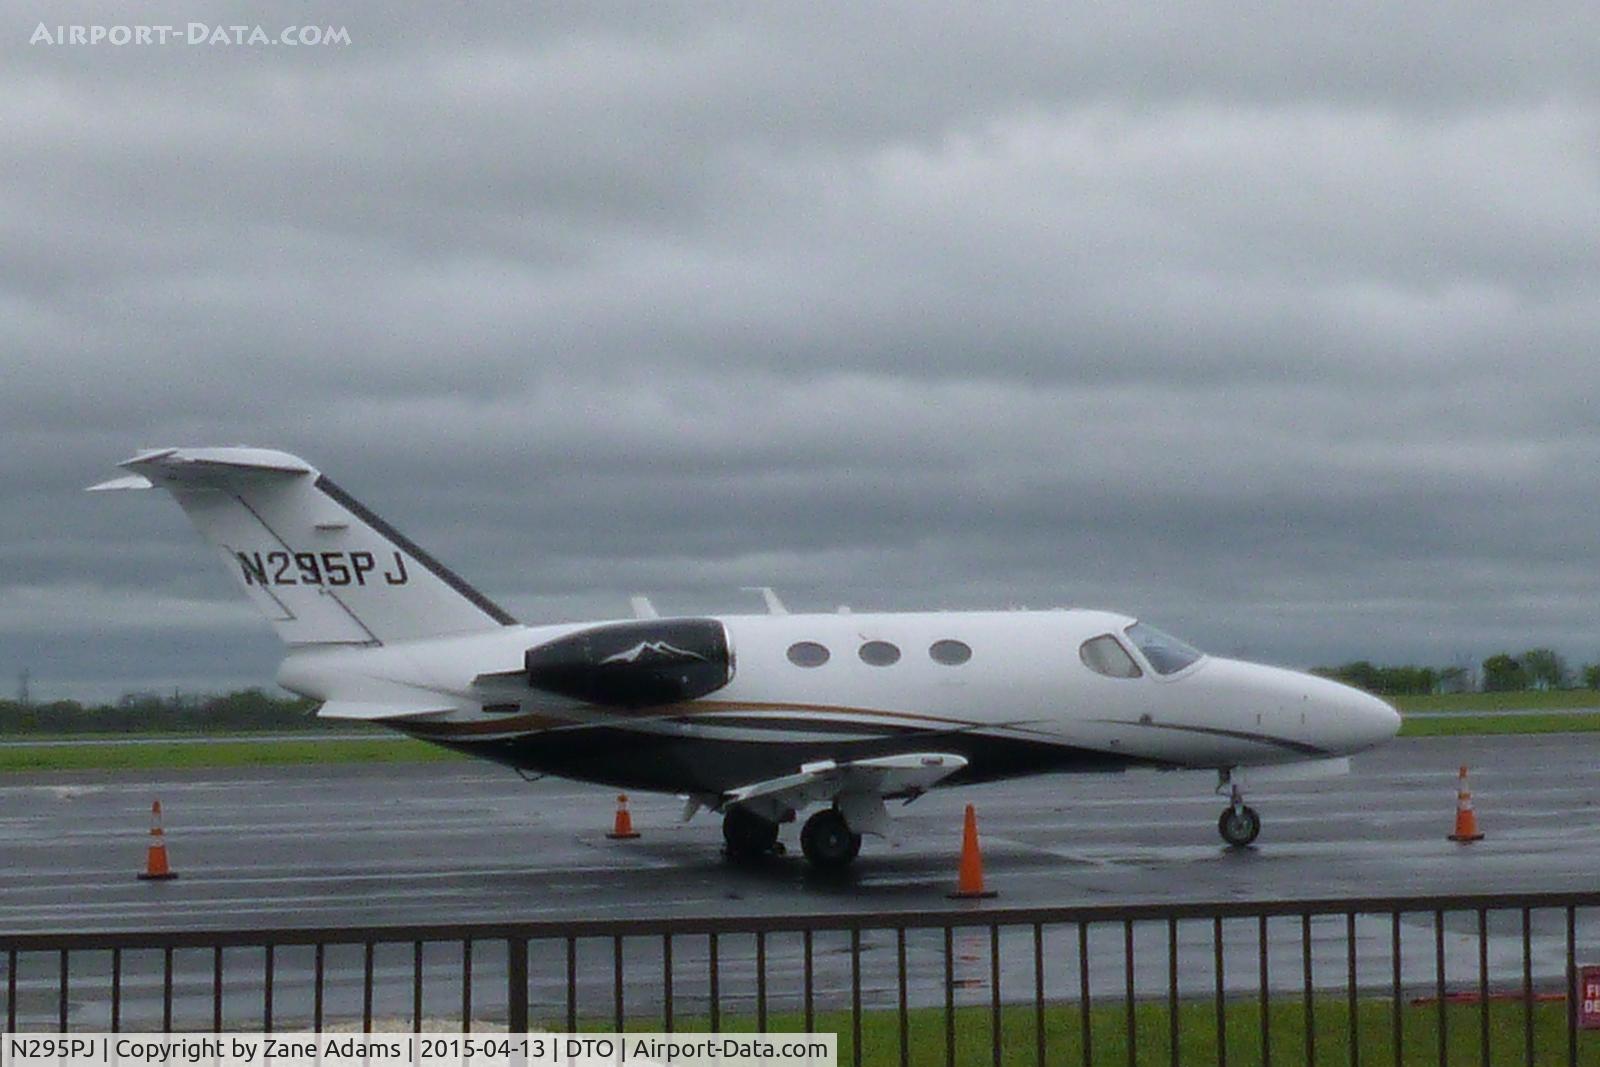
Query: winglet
[[642, 608], [770, 598]]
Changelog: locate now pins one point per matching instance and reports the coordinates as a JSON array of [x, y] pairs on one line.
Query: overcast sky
[[1276, 328]]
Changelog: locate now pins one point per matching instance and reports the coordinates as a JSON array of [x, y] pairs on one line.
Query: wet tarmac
[[441, 843]]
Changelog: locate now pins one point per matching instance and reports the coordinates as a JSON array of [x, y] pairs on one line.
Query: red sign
[[1589, 998]]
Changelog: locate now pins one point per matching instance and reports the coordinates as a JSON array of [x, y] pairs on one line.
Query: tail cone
[[155, 862], [1466, 818], [969, 884], [622, 829]]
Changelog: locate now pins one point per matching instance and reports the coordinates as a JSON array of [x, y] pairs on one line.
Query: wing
[[858, 787]]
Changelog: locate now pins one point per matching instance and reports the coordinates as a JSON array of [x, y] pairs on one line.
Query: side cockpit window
[[1105, 655]]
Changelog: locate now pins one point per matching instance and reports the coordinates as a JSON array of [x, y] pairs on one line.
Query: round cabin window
[[808, 654], [879, 653], [950, 653]]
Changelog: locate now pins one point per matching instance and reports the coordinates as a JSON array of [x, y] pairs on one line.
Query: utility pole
[[24, 695]]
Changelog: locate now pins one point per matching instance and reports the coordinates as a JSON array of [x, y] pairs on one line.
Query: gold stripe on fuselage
[[534, 721]]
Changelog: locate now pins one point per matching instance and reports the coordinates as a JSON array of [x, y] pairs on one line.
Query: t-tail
[[321, 567]]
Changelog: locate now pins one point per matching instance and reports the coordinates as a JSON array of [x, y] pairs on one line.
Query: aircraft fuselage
[[1023, 700]]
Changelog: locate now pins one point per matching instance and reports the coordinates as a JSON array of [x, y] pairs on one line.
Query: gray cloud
[[1277, 329]]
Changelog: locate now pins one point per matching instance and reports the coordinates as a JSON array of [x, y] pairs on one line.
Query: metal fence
[[1463, 979]]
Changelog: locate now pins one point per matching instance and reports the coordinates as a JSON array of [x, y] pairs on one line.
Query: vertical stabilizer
[[321, 566]]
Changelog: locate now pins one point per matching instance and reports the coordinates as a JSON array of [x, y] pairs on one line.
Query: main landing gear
[[748, 835], [828, 841], [1239, 823]]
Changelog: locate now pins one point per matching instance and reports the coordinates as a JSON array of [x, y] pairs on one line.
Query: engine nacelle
[[634, 664]]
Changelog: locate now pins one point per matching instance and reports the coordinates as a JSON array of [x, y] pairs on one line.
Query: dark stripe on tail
[[440, 571]]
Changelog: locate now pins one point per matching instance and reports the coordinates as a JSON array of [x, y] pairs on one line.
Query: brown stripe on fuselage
[[538, 721]]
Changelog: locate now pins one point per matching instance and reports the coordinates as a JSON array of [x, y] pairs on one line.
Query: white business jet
[[756, 717]]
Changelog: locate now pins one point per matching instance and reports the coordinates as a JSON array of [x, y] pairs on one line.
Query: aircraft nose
[[1367, 720]]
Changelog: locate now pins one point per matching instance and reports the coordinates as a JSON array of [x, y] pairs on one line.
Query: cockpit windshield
[[1166, 653]]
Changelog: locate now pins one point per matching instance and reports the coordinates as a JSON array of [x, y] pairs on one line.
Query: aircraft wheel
[[1239, 826], [747, 834], [827, 841]]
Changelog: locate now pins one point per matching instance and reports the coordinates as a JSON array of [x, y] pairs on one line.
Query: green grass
[[1524, 700], [1474, 725], [1555, 708], [1197, 1033], [69, 757], [297, 732]]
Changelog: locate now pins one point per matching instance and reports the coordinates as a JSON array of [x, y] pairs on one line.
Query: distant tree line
[[247, 709], [1537, 668]]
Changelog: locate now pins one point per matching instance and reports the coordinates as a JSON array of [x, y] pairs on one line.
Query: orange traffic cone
[[1466, 818], [622, 828], [155, 862], [969, 884]]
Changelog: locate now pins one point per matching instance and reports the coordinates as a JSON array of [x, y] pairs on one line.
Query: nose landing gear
[[1239, 823]]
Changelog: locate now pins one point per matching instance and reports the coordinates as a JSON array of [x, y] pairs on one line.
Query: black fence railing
[[1478, 979]]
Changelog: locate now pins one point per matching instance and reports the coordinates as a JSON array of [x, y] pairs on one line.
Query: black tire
[[1239, 828], [747, 834], [827, 841]]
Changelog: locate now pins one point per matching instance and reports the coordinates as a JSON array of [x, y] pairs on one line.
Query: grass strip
[[1479, 725], [1519, 700], [308, 733], [1198, 1033], [69, 757]]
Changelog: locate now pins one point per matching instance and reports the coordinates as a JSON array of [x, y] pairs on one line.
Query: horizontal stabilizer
[[201, 465], [362, 711]]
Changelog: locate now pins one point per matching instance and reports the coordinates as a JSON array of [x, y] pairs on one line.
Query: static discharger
[[969, 881], [155, 861], [622, 827], [1466, 818]]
